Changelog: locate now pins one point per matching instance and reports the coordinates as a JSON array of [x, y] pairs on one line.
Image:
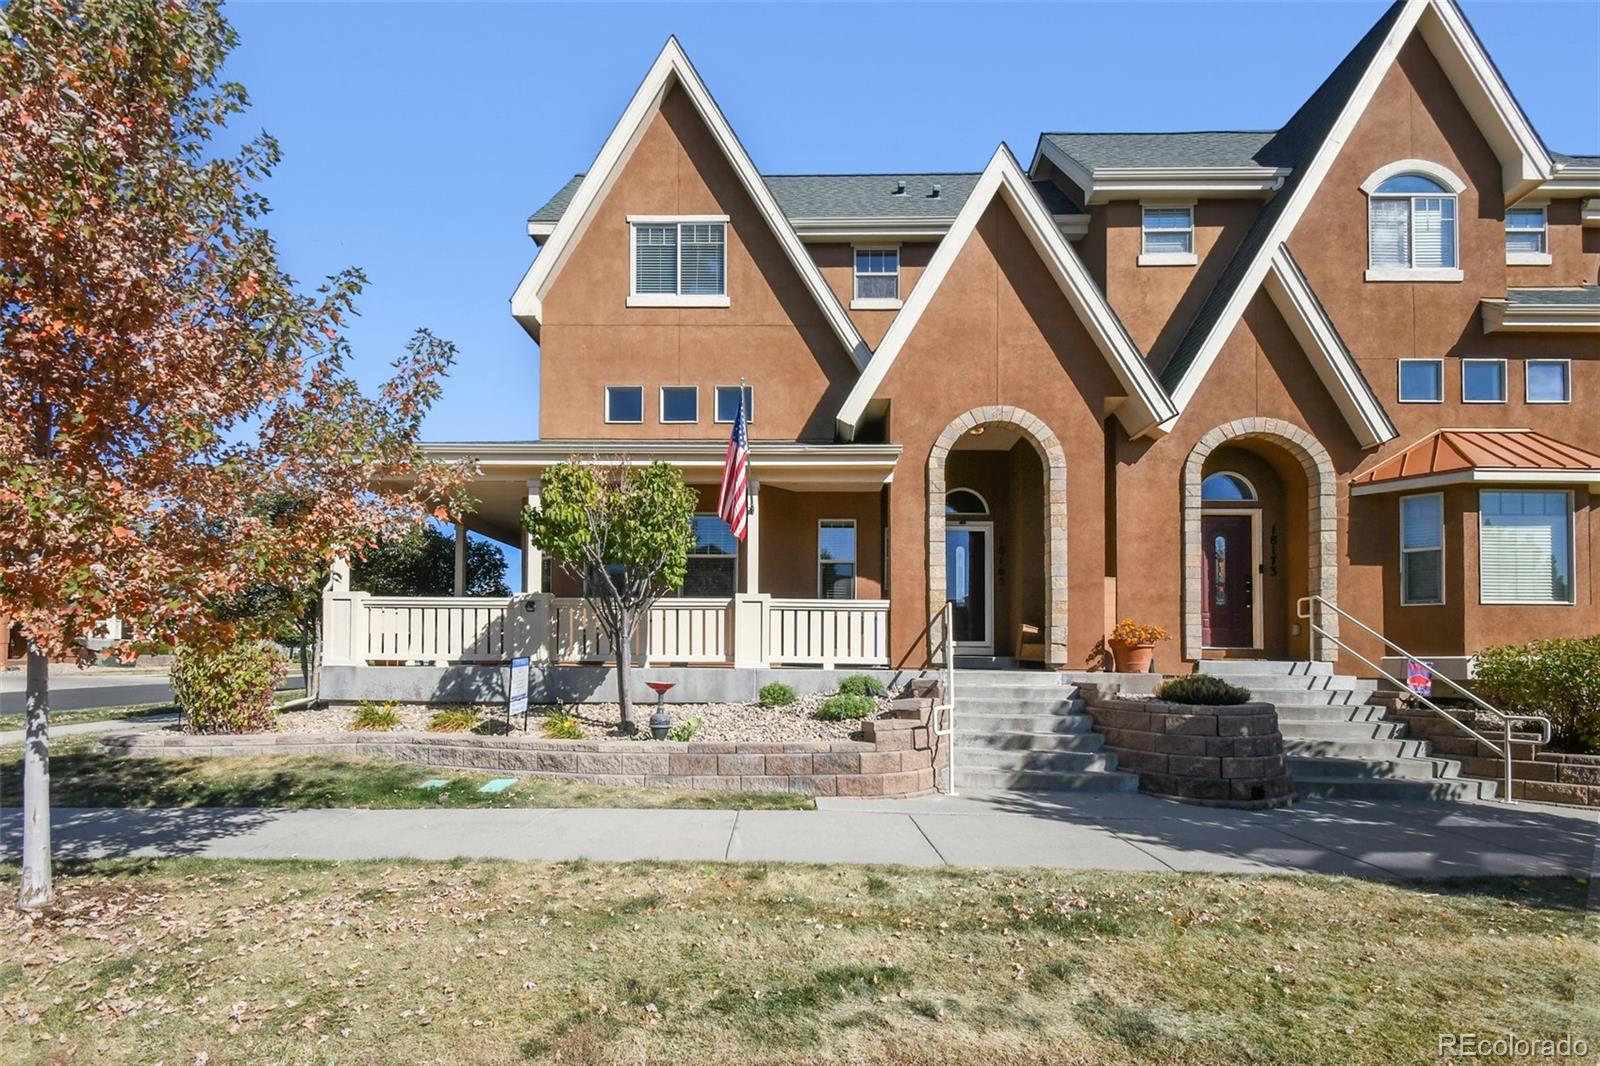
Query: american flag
[[732, 506]]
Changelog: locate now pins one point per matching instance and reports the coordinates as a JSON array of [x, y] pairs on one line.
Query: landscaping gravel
[[720, 722]]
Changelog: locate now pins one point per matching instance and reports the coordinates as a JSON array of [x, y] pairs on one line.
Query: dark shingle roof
[[1578, 296], [1564, 160], [857, 196], [1294, 145], [1201, 148]]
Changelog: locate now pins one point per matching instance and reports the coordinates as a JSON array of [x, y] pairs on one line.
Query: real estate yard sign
[[517, 689]]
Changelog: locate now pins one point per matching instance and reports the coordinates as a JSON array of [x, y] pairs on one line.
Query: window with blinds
[[877, 273], [1525, 546], [836, 559], [1525, 230], [1168, 229], [1422, 549], [713, 565], [1411, 224], [680, 258]]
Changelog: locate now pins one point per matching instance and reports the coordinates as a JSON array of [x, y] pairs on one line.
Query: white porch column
[[461, 557], [752, 541], [532, 558]]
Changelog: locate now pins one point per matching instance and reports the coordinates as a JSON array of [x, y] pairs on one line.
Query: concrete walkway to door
[[1070, 831]]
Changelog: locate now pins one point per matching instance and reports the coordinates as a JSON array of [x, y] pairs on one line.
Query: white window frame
[[1505, 381], [1572, 550], [661, 411], [1453, 187], [674, 299], [1404, 551], [854, 560], [1519, 258], [875, 303], [624, 421], [1527, 366], [1148, 258], [749, 405], [1399, 379]]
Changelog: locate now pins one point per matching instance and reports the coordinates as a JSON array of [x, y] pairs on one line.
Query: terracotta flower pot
[[1133, 658]]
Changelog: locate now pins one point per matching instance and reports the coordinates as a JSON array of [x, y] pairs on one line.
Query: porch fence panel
[[435, 629], [827, 633]]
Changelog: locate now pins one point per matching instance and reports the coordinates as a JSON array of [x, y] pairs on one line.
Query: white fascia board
[[672, 67], [1003, 176], [1478, 476], [1500, 316], [1591, 213], [1447, 35], [1343, 379]]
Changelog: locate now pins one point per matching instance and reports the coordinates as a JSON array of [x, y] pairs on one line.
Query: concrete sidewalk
[[121, 725], [1121, 832]]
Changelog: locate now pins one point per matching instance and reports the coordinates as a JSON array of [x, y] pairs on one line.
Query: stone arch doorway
[[1231, 448], [1044, 537]]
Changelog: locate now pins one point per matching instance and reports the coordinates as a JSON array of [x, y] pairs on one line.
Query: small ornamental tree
[[625, 533], [160, 375]]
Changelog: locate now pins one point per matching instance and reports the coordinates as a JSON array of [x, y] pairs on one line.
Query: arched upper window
[[1227, 487], [965, 502], [1411, 217]]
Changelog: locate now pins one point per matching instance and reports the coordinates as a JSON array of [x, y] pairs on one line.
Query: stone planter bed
[[895, 755]]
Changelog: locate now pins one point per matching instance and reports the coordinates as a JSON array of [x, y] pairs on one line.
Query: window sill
[[1528, 259], [1414, 274], [665, 299], [878, 303], [1167, 259]]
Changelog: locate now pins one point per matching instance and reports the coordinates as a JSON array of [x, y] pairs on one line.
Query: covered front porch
[[807, 587]]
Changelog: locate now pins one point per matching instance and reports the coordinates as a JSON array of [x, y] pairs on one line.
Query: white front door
[[969, 577]]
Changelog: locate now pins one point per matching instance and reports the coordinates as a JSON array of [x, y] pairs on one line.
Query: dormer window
[[877, 279], [1527, 241], [679, 262], [1166, 235], [1411, 223]]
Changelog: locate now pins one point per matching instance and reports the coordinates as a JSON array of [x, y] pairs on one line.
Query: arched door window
[[1227, 487], [965, 503]]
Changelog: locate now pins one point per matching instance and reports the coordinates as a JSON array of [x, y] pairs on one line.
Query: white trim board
[[1478, 476], [1147, 407], [1484, 95], [672, 67]]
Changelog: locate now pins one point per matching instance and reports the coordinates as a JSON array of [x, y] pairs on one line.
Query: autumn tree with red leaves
[[160, 375]]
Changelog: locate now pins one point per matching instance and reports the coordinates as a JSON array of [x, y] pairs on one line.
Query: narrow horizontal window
[[1549, 381], [680, 403], [877, 273], [1525, 547], [1168, 229], [728, 403], [624, 403], [1483, 381], [1421, 381], [836, 559], [1422, 550]]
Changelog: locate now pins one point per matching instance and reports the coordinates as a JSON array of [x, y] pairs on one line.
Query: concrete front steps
[[1339, 744], [1026, 730]]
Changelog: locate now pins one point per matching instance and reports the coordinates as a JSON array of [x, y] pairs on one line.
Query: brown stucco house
[[1188, 378]]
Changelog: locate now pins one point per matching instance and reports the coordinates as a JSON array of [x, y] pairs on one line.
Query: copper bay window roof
[[1455, 456]]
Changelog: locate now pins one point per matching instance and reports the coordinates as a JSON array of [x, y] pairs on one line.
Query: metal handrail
[[1303, 610], [946, 706]]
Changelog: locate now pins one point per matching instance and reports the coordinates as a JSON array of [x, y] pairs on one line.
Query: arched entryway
[[1260, 529], [997, 513]]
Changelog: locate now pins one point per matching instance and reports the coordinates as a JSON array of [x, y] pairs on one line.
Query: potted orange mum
[[1133, 645]]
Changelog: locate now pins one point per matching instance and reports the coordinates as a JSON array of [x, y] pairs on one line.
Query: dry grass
[[708, 964]]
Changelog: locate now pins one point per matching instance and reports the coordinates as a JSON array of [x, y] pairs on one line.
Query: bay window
[[1422, 549]]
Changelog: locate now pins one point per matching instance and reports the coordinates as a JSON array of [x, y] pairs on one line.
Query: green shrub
[[684, 732], [1558, 678], [1205, 689], [453, 720], [227, 689], [862, 685], [369, 716], [776, 694], [560, 725], [846, 706]]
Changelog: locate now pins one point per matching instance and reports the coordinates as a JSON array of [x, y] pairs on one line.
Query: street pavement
[[1064, 831], [72, 689]]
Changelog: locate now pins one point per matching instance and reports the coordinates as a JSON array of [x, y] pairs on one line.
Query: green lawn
[[84, 775], [471, 962]]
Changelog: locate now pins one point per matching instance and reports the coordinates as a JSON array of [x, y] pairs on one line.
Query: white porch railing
[[747, 630]]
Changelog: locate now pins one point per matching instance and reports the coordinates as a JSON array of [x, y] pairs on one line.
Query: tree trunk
[[37, 890], [624, 638]]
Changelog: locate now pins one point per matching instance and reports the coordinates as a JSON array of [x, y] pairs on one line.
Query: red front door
[[1228, 585]]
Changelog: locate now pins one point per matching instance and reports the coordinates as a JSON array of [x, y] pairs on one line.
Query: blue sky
[[417, 138]]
